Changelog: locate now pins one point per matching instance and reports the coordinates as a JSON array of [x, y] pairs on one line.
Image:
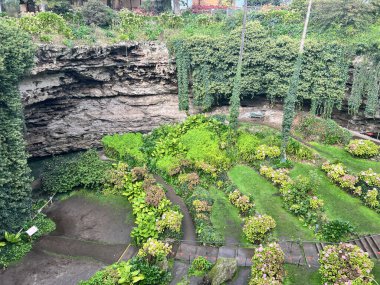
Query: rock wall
[[74, 96]]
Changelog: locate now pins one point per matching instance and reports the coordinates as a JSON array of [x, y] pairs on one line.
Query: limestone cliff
[[74, 96]]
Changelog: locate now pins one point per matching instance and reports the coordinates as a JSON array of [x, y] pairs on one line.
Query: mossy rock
[[223, 270]]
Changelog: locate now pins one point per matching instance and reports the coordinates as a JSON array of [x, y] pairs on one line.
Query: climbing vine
[[358, 87], [372, 105], [267, 68], [183, 69], [365, 85], [289, 105], [235, 99]]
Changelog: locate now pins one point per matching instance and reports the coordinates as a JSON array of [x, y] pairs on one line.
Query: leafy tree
[[16, 56]]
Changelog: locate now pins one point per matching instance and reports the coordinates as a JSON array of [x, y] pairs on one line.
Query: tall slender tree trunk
[[291, 97]]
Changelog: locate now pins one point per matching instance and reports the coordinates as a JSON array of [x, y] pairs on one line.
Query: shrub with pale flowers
[[345, 264], [154, 249], [363, 148], [170, 220], [267, 265]]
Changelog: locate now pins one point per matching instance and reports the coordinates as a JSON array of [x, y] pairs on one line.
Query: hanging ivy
[[267, 68], [372, 104], [183, 69], [201, 89], [235, 99], [358, 87], [289, 104]]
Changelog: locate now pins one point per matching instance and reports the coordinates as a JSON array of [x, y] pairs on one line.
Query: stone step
[[368, 247]]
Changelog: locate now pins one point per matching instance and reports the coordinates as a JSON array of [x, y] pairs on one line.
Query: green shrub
[[313, 128], [123, 273], [199, 266], [45, 23], [363, 148], [258, 227], [125, 147], [268, 265], [336, 231], [84, 170], [247, 145], [170, 165], [301, 152], [345, 263], [97, 13], [13, 252]]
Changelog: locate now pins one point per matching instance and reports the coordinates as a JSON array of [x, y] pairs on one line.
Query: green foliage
[[298, 150], [97, 13], [124, 147], [199, 266], [183, 69], [45, 23], [372, 104], [290, 104], [336, 231], [246, 146], [352, 14], [268, 265], [363, 148], [345, 263], [12, 238], [268, 66], [16, 57], [84, 170], [13, 252], [18, 245], [235, 98], [135, 271], [327, 131], [258, 227]]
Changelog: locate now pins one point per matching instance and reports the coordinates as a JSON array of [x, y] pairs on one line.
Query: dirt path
[[187, 224]]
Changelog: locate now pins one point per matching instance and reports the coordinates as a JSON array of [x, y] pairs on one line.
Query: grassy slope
[[341, 205], [229, 226], [334, 153], [268, 202], [376, 271], [301, 275]]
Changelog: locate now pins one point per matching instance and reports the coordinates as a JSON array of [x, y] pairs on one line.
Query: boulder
[[223, 270]]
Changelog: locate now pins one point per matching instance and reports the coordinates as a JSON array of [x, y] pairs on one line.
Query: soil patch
[[41, 268], [88, 218]]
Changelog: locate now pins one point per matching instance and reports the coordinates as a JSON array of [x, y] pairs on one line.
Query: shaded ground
[[91, 232], [40, 268], [91, 217]]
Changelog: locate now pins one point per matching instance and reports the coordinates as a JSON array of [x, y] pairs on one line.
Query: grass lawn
[[301, 275], [334, 153], [228, 225], [341, 205], [376, 271], [269, 202]]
